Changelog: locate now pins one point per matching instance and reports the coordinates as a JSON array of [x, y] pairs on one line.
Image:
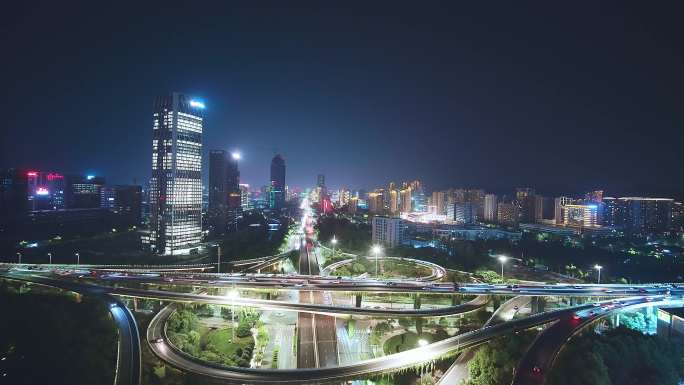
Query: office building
[[559, 203], [276, 198], [439, 201], [176, 183], [218, 192], [13, 192], [125, 201], [82, 192], [490, 208], [387, 231], [405, 199], [343, 196], [47, 191], [544, 210]]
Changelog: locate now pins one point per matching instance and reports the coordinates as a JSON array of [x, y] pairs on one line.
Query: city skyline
[[447, 99]]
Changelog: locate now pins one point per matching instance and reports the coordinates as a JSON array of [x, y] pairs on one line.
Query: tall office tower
[[376, 204], [320, 180], [83, 192], [490, 208], [458, 196], [647, 215], [218, 191], [176, 184], [388, 231], [508, 214], [276, 199], [439, 200], [525, 199], [405, 201], [559, 203], [234, 212]]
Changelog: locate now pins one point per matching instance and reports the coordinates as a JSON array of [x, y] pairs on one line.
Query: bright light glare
[[376, 249], [334, 241], [233, 294], [503, 258], [422, 342], [598, 267], [196, 104], [236, 156]]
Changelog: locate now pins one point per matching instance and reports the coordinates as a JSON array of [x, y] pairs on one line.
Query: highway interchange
[[317, 353]]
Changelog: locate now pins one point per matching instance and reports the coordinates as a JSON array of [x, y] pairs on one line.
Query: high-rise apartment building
[[277, 192], [387, 231], [439, 201], [376, 205], [508, 213], [176, 183], [639, 215], [524, 198], [490, 208]]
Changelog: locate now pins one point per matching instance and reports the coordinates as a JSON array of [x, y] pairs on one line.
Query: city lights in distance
[[196, 104], [42, 191], [90, 177]]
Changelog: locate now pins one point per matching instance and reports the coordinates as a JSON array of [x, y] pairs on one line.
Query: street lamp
[[19, 256], [376, 250], [598, 268], [233, 295], [334, 242], [218, 254], [422, 342], [502, 259], [50, 257], [78, 258], [236, 155]]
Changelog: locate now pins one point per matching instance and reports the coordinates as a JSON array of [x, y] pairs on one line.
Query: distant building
[[387, 231], [524, 198], [343, 196], [277, 192], [559, 203], [218, 191], [124, 200], [82, 191], [48, 191], [639, 215], [176, 184], [439, 201], [13, 193], [375, 202], [490, 208], [405, 199], [508, 214], [543, 209], [461, 213], [245, 200], [580, 215], [677, 216]]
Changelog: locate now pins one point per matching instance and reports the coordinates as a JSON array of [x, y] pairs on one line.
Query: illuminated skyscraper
[[490, 208], [218, 191], [277, 193], [176, 183]]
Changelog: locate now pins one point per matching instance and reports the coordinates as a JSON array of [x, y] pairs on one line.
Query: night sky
[[562, 97]]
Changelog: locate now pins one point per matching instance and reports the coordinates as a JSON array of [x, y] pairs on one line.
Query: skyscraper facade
[[490, 208], [176, 183], [218, 191], [277, 192]]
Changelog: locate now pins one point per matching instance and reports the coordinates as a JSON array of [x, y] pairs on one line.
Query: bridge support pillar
[[357, 300], [456, 300], [416, 301], [538, 304]]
